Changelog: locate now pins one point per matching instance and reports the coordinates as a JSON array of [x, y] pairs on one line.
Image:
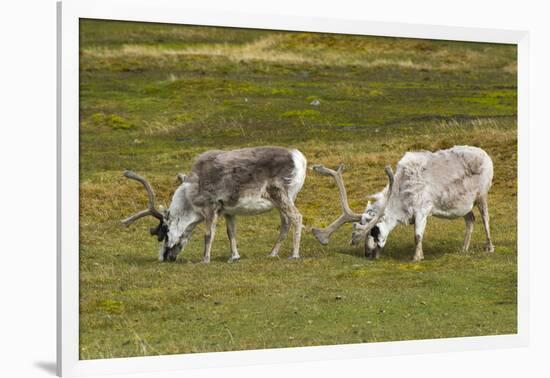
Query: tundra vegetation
[[154, 96]]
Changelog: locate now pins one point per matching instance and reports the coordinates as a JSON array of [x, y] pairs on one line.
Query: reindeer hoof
[[489, 248], [321, 238], [294, 257], [233, 259], [205, 261]]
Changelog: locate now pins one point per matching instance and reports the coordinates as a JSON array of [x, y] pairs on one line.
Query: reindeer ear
[[181, 178], [377, 196], [160, 231]]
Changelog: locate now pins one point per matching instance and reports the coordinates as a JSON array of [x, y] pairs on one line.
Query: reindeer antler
[[151, 209], [363, 229], [323, 234]]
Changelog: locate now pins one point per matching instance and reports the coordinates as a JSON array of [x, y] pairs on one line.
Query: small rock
[[217, 303], [315, 103]]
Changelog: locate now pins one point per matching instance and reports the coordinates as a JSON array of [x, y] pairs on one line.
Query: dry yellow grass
[[271, 48], [247, 53]]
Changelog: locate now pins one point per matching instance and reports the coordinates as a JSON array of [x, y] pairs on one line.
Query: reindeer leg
[[231, 233], [211, 219], [296, 219], [484, 210], [469, 219], [419, 227], [286, 206], [283, 232]]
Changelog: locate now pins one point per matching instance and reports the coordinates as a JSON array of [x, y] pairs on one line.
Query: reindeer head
[[176, 223], [374, 235], [369, 225]]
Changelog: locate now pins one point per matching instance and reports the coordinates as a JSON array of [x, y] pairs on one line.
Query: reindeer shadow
[[356, 252], [224, 259], [140, 260], [402, 251], [432, 251]]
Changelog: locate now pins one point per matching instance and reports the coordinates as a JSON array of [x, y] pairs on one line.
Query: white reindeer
[[446, 184], [248, 181]]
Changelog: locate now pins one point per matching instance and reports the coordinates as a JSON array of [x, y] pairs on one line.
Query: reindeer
[[248, 181], [445, 184]]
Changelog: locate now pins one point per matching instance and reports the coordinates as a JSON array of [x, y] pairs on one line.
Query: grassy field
[[154, 96]]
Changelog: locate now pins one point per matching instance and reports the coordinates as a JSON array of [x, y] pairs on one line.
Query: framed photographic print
[[367, 175]]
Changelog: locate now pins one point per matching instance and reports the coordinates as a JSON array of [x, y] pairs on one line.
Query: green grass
[[154, 96]]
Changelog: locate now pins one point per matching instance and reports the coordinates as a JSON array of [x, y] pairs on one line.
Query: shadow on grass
[[144, 261], [399, 253], [139, 259], [432, 251]]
